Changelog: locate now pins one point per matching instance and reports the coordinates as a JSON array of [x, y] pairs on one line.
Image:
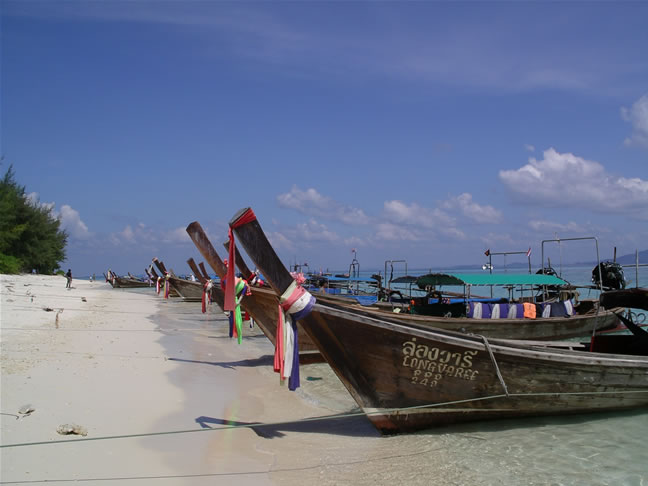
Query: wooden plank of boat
[[166, 275], [522, 328], [204, 271], [406, 378], [124, 282], [196, 271], [635, 298], [189, 291], [265, 316]]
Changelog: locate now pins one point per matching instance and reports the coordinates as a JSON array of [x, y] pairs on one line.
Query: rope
[[492, 357], [385, 411]]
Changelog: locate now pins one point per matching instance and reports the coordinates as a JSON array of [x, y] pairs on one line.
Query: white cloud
[[70, 219], [529, 147], [399, 212], [303, 234], [564, 179], [280, 241], [552, 227], [141, 234], [314, 231], [493, 239], [637, 115], [354, 241], [178, 235], [396, 232], [313, 203], [34, 199], [72, 223], [476, 212]]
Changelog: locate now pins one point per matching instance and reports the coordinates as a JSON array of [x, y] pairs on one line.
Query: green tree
[[30, 235]]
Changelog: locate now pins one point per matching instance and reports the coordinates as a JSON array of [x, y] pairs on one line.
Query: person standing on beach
[[68, 276]]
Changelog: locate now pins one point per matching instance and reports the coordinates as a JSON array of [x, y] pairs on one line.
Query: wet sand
[[127, 362], [120, 362]]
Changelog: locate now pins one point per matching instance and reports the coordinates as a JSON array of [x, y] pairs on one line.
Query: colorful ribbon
[[206, 295], [294, 304], [235, 317], [230, 298]]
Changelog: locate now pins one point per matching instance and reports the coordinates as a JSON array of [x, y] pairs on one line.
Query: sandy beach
[[118, 363], [165, 397]]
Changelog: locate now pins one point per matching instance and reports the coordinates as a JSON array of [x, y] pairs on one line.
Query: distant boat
[[408, 378], [124, 282]]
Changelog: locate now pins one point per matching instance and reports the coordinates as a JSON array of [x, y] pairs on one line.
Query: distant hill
[[630, 259]]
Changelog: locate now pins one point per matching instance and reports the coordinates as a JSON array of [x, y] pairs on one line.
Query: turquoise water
[[587, 450]]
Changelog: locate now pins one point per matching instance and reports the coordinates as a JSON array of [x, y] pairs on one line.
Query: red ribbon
[[230, 290], [279, 351]]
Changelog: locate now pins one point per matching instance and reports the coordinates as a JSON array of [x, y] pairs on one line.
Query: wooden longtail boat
[[124, 282], [408, 378], [265, 316], [547, 328], [189, 291], [166, 275]]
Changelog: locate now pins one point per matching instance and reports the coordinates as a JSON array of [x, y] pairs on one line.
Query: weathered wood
[[160, 265], [255, 243], [196, 271], [204, 246], [550, 328], [238, 259], [188, 290], [432, 377], [265, 316], [126, 282], [635, 298], [204, 271]]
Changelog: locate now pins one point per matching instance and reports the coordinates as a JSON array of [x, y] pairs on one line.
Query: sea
[[584, 450]]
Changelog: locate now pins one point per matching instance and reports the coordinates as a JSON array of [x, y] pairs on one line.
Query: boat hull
[[436, 378], [547, 328], [186, 289]]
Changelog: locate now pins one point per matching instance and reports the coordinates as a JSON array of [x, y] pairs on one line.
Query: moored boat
[[124, 282], [265, 316], [407, 378]]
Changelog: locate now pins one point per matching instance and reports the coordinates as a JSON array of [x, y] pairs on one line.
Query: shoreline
[[121, 362], [128, 362]]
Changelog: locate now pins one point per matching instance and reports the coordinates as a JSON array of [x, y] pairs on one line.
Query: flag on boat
[[487, 252], [528, 253]]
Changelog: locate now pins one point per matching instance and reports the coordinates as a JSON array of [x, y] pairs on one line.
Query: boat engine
[[612, 275]]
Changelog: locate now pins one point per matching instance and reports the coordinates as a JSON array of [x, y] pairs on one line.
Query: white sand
[[128, 362]]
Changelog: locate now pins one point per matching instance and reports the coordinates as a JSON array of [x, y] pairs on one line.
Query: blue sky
[[425, 131]]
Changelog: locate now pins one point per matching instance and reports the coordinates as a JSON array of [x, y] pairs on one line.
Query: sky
[[420, 131]]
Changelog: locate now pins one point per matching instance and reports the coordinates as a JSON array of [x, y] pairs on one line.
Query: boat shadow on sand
[[350, 426], [265, 360], [354, 425]]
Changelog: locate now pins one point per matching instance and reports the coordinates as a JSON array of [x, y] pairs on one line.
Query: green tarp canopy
[[488, 279]]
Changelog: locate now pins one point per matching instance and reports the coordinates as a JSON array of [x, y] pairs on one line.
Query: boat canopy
[[488, 279], [406, 279]]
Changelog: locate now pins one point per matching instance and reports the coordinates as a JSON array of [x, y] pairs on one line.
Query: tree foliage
[[30, 235]]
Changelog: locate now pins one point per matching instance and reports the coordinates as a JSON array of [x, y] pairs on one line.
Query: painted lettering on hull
[[430, 365]]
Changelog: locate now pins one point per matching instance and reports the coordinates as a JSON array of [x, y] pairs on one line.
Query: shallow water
[[596, 449]]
